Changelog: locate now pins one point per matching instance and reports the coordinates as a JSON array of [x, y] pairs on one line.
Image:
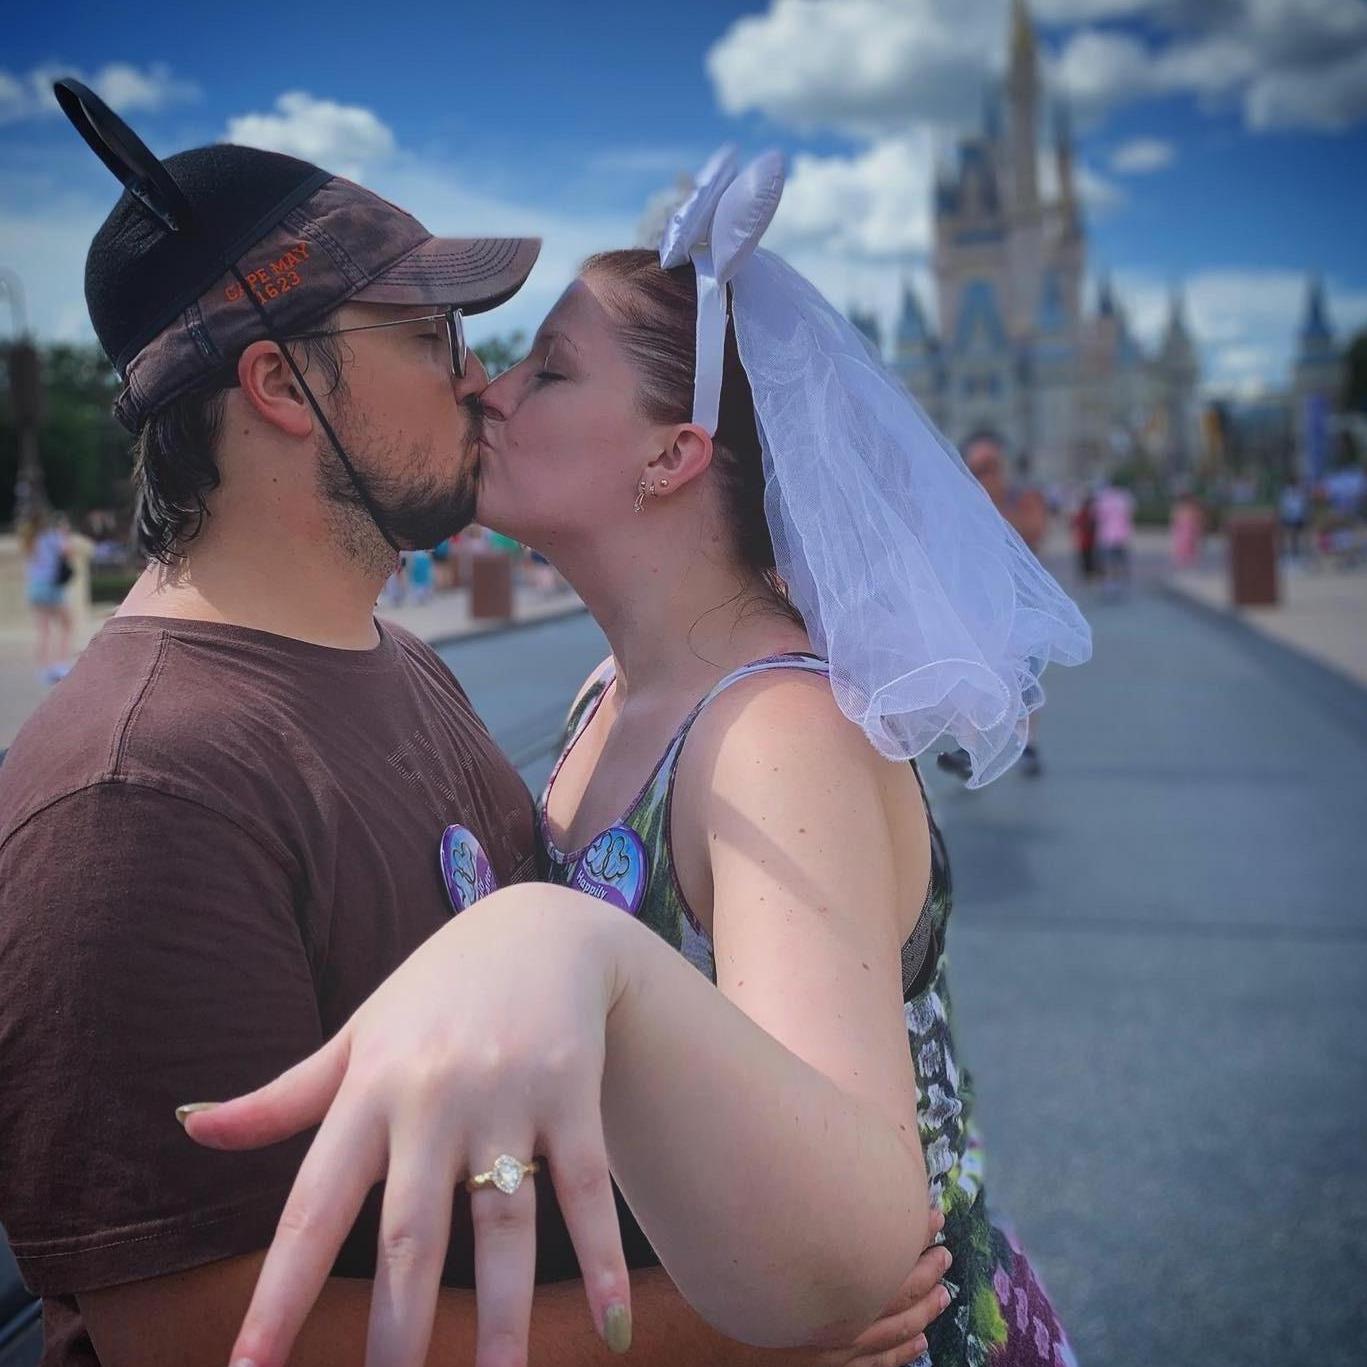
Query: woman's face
[[564, 442]]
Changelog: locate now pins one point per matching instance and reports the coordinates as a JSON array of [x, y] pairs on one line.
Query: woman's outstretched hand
[[489, 1039]]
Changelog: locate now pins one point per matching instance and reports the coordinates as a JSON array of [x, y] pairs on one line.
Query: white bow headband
[[718, 228]]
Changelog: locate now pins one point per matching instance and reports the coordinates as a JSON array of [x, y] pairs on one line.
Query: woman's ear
[[268, 384], [686, 456]]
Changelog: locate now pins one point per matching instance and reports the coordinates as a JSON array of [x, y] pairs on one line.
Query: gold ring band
[[506, 1174]]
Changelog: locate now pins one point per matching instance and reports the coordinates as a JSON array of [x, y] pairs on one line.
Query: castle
[[1015, 354]]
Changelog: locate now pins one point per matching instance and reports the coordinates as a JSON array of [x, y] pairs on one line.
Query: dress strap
[[810, 664], [587, 702]]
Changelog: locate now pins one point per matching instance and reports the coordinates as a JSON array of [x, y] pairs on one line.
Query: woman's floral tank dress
[[999, 1315]]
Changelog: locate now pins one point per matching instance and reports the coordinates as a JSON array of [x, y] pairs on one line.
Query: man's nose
[[475, 380]]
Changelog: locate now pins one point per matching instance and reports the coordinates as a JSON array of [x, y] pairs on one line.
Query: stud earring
[[664, 484]]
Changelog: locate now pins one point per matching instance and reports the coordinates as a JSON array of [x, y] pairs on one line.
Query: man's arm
[[189, 1319]]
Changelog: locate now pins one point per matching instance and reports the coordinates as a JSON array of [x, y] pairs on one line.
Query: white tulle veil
[[936, 618]]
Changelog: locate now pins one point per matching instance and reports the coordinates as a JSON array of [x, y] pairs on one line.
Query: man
[[220, 832], [1025, 509]]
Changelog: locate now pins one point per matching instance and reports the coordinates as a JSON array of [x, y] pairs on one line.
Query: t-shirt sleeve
[[150, 955]]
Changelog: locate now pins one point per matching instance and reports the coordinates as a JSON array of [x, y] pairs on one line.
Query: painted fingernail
[[943, 1298], [948, 1258], [617, 1327], [194, 1108]]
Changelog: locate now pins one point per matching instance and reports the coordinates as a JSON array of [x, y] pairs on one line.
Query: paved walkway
[[446, 618], [1322, 613], [1159, 964]]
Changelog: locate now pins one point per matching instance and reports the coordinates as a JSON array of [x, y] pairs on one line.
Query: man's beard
[[418, 508]]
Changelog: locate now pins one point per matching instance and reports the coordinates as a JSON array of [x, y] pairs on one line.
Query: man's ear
[[269, 386], [686, 455]]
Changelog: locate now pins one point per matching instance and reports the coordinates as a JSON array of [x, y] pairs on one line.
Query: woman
[[1084, 536], [47, 572], [1188, 525], [718, 784]]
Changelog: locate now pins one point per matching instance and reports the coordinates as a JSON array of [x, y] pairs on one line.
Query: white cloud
[[879, 67], [1287, 63], [649, 161], [1330, 100], [442, 197], [1097, 69], [1098, 194], [1139, 156], [44, 240], [863, 66], [873, 205], [1084, 11], [126, 88], [1244, 321], [47, 244], [344, 138]]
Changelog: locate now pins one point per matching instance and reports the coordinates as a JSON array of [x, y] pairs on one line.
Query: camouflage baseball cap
[[170, 307]]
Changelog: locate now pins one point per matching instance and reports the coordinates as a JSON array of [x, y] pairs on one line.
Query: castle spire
[[1105, 297], [1063, 154], [1315, 326], [1022, 85], [1177, 349], [1023, 45]]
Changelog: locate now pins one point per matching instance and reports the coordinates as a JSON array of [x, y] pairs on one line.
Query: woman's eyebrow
[[555, 336]]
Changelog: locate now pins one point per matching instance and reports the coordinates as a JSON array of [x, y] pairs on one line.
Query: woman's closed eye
[[546, 376]]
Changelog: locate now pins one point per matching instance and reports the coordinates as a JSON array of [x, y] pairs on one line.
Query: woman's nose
[[496, 399]]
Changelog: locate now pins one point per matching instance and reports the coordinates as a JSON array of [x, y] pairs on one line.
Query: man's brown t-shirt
[[214, 844]]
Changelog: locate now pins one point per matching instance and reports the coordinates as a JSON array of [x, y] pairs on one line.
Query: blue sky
[[1224, 142]]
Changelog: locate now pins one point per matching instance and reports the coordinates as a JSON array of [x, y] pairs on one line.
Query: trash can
[[1253, 560], [491, 586]]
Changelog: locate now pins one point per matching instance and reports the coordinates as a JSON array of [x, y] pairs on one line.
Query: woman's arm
[[772, 1161], [767, 1132]]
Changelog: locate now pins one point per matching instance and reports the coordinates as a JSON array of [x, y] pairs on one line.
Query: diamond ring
[[506, 1174]]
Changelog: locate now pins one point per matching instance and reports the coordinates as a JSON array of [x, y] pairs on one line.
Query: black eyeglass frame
[[455, 334]]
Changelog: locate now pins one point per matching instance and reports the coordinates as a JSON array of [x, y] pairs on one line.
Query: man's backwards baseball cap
[[170, 271]]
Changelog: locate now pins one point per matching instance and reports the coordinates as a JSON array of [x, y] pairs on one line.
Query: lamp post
[[26, 401]]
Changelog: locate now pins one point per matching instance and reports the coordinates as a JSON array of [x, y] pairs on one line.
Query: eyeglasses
[[455, 334]]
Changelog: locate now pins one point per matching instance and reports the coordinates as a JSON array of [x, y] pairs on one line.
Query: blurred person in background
[[1114, 534], [1292, 512], [1084, 536], [1025, 508], [1186, 530], [48, 571], [418, 570]]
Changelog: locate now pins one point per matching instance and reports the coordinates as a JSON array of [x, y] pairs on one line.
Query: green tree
[[502, 351], [85, 454], [1355, 375]]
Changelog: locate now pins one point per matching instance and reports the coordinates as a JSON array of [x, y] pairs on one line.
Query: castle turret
[[918, 360], [1063, 160], [1317, 379], [866, 321], [1022, 86], [1177, 373], [1177, 351]]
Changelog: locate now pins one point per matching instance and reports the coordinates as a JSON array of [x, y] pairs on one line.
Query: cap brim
[[473, 273]]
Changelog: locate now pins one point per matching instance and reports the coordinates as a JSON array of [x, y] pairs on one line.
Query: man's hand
[[899, 1336]]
